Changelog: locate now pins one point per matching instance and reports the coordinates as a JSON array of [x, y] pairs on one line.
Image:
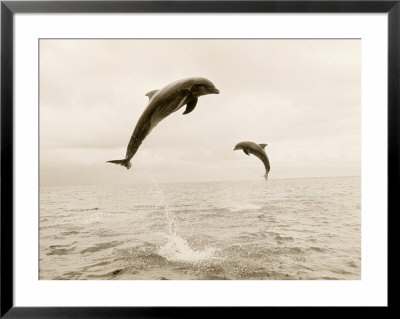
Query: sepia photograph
[[199, 159]]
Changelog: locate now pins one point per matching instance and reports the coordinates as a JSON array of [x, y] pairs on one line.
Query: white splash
[[178, 249]]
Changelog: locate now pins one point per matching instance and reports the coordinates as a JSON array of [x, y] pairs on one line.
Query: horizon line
[[199, 181]]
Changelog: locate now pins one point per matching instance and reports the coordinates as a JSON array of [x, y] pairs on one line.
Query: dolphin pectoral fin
[[190, 105], [246, 152], [151, 93], [263, 145]]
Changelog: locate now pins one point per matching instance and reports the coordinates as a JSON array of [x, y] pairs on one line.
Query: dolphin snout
[[215, 90]]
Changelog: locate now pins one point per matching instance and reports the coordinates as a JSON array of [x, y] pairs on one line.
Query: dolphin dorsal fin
[[151, 93], [263, 145]]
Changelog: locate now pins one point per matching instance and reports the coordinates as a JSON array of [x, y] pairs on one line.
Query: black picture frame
[[9, 8]]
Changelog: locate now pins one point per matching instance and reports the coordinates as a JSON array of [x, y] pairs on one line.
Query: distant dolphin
[[161, 104], [257, 150]]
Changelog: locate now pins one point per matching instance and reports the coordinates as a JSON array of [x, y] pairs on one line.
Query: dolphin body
[[257, 150], [161, 104]]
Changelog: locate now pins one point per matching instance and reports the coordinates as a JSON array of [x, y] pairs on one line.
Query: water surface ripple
[[280, 229]]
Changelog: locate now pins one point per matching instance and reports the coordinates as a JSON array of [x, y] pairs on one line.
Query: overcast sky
[[301, 97]]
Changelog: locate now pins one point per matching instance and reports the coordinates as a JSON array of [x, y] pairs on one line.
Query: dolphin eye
[[199, 87]]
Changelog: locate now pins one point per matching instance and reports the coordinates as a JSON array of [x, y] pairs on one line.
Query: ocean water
[[278, 229]]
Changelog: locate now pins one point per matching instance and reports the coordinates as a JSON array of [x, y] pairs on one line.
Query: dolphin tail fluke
[[126, 163], [266, 175]]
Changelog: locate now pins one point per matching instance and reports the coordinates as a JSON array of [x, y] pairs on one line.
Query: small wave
[[113, 274], [341, 271], [60, 250], [281, 238], [82, 209], [74, 275], [292, 250], [177, 249], [241, 207], [99, 247], [72, 232], [352, 264], [103, 263]]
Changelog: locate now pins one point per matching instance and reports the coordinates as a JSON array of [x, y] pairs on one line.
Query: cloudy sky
[[301, 97]]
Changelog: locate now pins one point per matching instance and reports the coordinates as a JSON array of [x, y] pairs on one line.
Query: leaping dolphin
[[161, 104], [257, 150]]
